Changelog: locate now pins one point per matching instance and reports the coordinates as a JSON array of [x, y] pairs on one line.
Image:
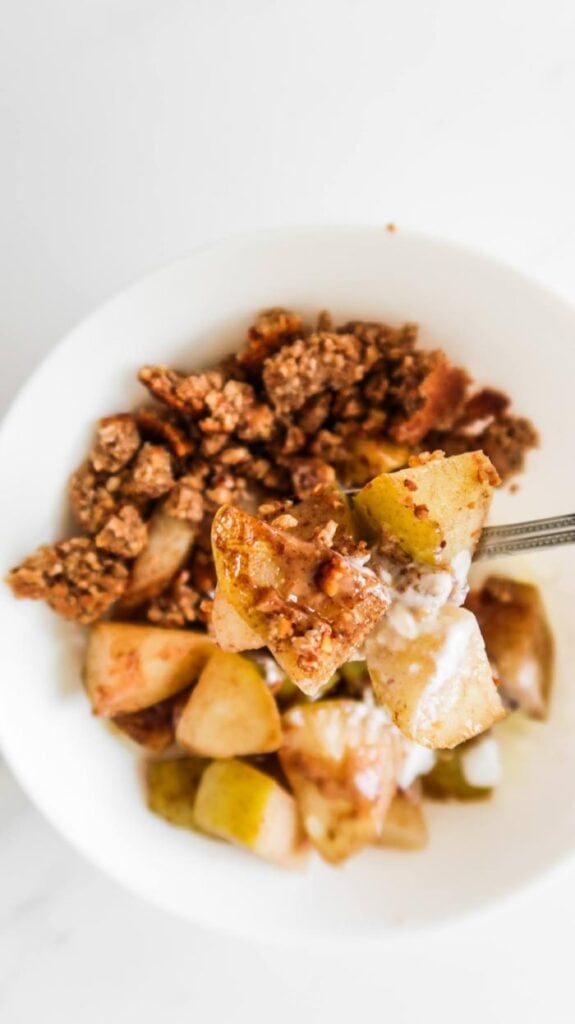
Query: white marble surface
[[133, 130]]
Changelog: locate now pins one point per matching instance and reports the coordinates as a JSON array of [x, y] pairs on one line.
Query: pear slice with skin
[[171, 788], [435, 510], [237, 802]]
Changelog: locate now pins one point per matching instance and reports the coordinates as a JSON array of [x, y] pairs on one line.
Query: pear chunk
[[230, 711], [340, 758], [435, 510], [233, 632], [129, 667], [171, 788], [311, 605], [170, 541], [243, 805], [518, 639], [438, 686]]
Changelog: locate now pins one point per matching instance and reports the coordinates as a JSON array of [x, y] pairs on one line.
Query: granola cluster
[[283, 417]]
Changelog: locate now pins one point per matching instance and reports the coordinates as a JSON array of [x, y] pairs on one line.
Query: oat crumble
[[274, 423]]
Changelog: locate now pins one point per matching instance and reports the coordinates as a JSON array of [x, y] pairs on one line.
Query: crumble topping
[[275, 423], [117, 441], [152, 473], [94, 497], [75, 578], [309, 366], [124, 534]]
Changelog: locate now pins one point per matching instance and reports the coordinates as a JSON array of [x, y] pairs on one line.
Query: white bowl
[[508, 332]]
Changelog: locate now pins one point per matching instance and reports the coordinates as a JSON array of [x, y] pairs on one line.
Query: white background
[[132, 130]]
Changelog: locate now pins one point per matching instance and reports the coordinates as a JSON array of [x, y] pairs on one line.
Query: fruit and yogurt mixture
[[271, 558]]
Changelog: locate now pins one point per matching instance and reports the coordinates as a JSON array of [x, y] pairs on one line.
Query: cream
[[481, 763], [417, 761]]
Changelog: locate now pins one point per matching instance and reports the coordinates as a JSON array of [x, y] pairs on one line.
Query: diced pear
[[340, 758], [171, 788], [436, 510], [233, 632], [518, 639], [439, 686], [170, 541], [404, 827], [129, 667], [470, 772], [310, 605], [370, 456], [237, 802], [230, 711]]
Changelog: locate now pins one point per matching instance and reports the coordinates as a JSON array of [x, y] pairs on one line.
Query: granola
[[278, 421], [117, 441], [152, 473], [124, 534], [79, 581]]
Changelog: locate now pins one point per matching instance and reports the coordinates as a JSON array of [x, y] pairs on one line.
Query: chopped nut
[[329, 577], [327, 533], [284, 522]]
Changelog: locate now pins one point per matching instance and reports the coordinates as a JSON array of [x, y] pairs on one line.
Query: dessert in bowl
[[369, 683]]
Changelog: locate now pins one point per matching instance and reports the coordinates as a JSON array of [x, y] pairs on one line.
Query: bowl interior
[[509, 333]]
